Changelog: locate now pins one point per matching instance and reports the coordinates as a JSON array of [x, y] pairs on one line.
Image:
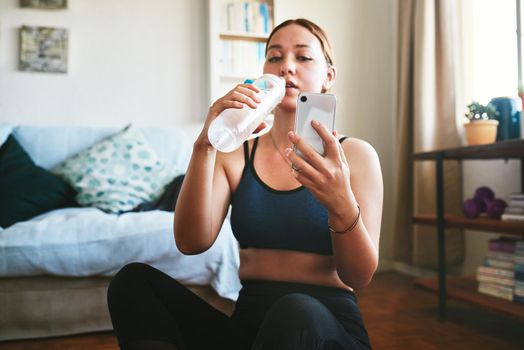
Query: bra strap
[[246, 153], [252, 156], [342, 139]]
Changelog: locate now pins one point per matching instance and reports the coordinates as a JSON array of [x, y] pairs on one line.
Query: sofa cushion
[[117, 173], [87, 242], [27, 190]]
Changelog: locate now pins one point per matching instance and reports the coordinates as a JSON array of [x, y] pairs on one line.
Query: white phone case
[[314, 106]]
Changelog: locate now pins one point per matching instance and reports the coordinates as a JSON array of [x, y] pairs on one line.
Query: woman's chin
[[288, 104]]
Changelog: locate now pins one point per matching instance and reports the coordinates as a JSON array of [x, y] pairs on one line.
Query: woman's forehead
[[293, 36]]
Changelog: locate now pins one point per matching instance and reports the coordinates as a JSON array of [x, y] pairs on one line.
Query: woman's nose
[[287, 67]]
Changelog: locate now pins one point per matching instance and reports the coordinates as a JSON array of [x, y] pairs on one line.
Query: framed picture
[[43, 49], [44, 4]]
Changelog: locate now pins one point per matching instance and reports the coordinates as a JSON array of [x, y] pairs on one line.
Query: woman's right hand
[[238, 97]]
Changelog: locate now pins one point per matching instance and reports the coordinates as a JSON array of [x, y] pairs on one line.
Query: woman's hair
[[315, 30]]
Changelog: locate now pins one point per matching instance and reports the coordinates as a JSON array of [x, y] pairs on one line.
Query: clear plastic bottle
[[233, 126]]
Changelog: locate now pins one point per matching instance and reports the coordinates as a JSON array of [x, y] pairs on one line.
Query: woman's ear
[[330, 78]]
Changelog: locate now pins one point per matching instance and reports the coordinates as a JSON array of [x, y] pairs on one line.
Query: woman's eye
[[273, 59], [304, 58]]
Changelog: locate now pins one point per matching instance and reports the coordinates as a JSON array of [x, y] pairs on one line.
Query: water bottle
[[233, 126]]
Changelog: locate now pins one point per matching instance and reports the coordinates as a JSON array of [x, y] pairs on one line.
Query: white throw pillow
[[117, 173]]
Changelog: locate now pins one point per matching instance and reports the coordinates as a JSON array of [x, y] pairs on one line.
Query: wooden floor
[[398, 315]]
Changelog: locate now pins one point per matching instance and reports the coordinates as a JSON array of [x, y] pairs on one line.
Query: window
[[489, 49]]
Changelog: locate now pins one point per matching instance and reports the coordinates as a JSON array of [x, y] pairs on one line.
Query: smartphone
[[314, 106]]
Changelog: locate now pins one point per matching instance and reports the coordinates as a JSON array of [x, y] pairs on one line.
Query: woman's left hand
[[327, 176]]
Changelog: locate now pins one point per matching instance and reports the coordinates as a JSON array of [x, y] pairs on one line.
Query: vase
[[508, 115], [481, 132]]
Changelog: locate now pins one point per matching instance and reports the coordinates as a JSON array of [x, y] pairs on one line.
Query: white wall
[[145, 62], [362, 35], [129, 61]]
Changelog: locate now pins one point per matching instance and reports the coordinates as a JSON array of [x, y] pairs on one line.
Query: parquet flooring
[[398, 315]]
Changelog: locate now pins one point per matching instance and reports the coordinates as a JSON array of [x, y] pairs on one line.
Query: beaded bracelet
[[351, 227]]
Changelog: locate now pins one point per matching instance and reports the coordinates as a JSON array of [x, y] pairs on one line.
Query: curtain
[[426, 120]]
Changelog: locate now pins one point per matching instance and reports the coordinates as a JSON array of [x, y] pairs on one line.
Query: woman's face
[[295, 54]]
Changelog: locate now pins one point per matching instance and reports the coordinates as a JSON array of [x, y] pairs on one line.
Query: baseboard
[[385, 265]]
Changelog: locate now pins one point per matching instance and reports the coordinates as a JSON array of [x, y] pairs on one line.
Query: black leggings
[[149, 307]]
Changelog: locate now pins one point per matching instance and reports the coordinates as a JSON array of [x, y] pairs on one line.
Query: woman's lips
[[290, 85]]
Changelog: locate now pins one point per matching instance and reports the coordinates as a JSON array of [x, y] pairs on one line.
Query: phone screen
[[320, 107]]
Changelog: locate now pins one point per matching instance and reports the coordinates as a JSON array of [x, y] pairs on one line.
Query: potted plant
[[480, 127]]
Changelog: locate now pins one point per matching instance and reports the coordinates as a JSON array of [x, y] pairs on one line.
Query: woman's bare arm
[[205, 194]]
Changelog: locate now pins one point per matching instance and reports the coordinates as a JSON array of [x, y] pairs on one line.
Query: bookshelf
[[462, 288], [238, 30], [465, 289]]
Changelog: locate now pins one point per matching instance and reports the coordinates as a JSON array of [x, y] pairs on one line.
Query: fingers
[[298, 164], [245, 96], [330, 141], [242, 95], [306, 150]]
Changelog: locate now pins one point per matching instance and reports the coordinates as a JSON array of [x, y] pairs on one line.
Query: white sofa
[[55, 268]]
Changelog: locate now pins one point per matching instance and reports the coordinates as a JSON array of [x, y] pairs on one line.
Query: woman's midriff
[[289, 266]]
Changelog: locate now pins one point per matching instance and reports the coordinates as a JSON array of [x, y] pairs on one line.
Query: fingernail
[[315, 123], [291, 134]]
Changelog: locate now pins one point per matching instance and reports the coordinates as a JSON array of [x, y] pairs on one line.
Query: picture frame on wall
[[43, 49], [44, 4]]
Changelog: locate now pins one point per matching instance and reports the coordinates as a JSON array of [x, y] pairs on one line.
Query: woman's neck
[[283, 123]]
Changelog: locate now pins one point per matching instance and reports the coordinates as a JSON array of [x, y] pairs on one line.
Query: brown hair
[[314, 29]]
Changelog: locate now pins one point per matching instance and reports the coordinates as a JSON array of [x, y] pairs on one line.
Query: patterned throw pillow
[[118, 173]]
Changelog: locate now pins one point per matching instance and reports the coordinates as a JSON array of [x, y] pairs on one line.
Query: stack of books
[[515, 209], [248, 17], [519, 273], [496, 276]]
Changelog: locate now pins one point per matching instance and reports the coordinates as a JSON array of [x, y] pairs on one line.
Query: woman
[[308, 228]]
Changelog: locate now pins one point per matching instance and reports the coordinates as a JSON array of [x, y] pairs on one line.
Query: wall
[[129, 61], [145, 62], [362, 35]]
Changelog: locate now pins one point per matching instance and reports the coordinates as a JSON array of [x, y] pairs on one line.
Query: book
[[512, 217], [519, 248], [517, 195], [516, 203], [503, 244], [501, 256], [514, 210], [506, 281], [495, 271], [502, 292], [519, 272], [518, 299], [499, 263]]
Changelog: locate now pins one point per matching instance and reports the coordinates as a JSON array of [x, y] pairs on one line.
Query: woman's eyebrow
[[274, 47], [277, 46]]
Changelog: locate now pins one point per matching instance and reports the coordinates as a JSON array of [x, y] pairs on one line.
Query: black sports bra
[[262, 217]]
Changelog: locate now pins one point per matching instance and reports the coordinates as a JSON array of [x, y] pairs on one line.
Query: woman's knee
[[296, 311], [126, 280]]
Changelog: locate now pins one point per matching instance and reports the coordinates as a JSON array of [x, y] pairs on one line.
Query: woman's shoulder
[[356, 146], [362, 158]]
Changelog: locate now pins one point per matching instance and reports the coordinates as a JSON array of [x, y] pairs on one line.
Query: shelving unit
[[238, 30], [462, 287], [465, 289]]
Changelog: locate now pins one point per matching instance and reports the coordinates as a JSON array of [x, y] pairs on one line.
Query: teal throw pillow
[[118, 173]]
